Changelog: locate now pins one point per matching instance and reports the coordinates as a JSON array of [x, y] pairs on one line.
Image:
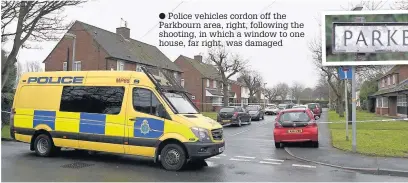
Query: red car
[[295, 125], [315, 107]]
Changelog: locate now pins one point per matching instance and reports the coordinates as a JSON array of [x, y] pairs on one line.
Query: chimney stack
[[124, 31], [198, 58]]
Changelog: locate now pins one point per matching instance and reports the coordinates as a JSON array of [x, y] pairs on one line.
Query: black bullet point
[[162, 15]]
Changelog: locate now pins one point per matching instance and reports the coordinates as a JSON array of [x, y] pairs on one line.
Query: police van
[[145, 114]]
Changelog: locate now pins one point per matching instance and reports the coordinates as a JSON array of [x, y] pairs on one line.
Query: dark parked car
[[233, 115], [256, 112], [315, 108]]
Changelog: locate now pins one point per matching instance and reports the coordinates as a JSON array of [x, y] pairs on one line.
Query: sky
[[289, 63]]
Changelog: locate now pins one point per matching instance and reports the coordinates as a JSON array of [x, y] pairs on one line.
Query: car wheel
[[239, 122], [278, 145], [173, 157], [249, 121], [44, 146], [315, 144]]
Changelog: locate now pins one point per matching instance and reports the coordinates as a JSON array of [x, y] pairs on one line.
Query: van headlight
[[202, 134]]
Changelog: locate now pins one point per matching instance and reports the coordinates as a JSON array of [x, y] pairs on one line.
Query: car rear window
[[294, 117], [252, 108], [230, 109], [312, 106]]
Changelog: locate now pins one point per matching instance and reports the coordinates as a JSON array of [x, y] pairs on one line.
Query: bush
[[6, 104]]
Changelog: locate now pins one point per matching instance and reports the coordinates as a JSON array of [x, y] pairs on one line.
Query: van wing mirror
[[161, 111]]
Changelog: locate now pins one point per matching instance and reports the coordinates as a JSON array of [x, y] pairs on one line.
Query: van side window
[[92, 99], [145, 101]]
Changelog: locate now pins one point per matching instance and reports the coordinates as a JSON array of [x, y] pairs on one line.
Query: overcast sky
[[292, 62]]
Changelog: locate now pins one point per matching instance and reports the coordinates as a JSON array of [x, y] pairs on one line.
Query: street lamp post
[[264, 89], [73, 36]]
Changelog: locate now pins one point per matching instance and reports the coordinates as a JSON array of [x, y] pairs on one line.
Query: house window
[[77, 66], [208, 83], [385, 102], [379, 102], [394, 79], [383, 83], [138, 68], [229, 86], [389, 80], [65, 66], [175, 76], [216, 101], [215, 84], [193, 97], [182, 83], [401, 101], [120, 65]]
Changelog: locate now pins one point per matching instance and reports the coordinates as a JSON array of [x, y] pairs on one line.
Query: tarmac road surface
[[250, 155]]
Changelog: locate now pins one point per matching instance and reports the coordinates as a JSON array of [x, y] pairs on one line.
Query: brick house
[[391, 98], [99, 49], [204, 83]]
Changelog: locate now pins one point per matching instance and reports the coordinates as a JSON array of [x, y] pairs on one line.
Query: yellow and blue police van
[[145, 114]]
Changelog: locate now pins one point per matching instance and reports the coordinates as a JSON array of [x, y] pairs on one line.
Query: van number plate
[[221, 149]]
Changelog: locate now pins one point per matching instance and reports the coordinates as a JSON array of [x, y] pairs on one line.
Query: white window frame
[[65, 66], [214, 84], [229, 87], [193, 97], [401, 101], [384, 102], [120, 65], [139, 68], [383, 82], [389, 80], [208, 83], [394, 79], [75, 66], [182, 83]]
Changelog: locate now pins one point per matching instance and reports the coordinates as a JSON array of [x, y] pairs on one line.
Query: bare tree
[[227, 65], [271, 93], [283, 90], [296, 90], [307, 93], [35, 20], [253, 80], [33, 66], [400, 5]]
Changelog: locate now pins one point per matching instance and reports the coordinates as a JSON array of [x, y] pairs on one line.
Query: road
[[250, 155]]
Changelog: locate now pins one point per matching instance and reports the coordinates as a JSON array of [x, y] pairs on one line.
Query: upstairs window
[[65, 66], [120, 65]]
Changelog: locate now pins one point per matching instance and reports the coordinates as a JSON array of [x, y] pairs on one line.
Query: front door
[[144, 126]]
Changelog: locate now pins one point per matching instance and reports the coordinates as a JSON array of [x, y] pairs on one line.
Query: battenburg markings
[[56, 80], [45, 118]]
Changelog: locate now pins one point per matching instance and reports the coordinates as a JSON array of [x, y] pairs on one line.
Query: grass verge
[[5, 132], [385, 138], [212, 115]]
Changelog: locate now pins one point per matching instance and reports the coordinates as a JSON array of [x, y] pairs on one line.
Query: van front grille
[[217, 134]]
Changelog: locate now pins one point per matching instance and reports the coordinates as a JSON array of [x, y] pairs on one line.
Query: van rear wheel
[[44, 146], [173, 157]]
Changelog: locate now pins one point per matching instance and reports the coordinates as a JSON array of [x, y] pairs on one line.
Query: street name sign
[[373, 37]]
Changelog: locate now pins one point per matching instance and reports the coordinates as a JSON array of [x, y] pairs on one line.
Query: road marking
[[222, 155], [234, 159], [246, 157], [215, 157], [306, 166], [269, 159], [238, 133], [271, 163]]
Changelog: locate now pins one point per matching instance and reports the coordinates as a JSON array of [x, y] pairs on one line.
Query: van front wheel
[[173, 157], [44, 146]]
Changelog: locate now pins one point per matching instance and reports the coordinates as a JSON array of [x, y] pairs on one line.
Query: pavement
[[250, 156], [326, 154]]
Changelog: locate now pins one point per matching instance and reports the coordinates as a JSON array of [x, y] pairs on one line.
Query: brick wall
[[403, 72], [192, 80], [86, 50], [381, 111], [237, 89]]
